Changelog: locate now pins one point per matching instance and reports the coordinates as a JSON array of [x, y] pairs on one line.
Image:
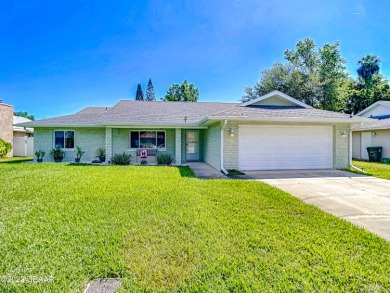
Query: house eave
[[117, 125], [57, 125], [287, 119], [155, 125], [370, 129], [371, 107]]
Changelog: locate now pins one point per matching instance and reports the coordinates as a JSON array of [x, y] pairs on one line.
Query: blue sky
[[57, 57]]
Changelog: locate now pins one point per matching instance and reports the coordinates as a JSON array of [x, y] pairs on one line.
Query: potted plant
[[57, 154], [40, 154], [79, 154], [101, 154]]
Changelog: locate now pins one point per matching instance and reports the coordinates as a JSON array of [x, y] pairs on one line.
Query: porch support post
[[178, 146], [108, 144]]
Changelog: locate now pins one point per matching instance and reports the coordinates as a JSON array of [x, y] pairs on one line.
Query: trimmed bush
[[164, 158], [5, 148], [121, 159]]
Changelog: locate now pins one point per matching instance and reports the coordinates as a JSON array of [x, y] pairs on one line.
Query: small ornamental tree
[[139, 95], [150, 94]]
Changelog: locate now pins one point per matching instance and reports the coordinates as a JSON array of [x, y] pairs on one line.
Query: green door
[[192, 145]]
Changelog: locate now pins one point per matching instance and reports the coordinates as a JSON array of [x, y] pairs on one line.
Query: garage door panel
[[285, 147]]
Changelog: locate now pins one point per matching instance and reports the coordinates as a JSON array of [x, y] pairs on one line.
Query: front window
[[64, 139], [147, 139]]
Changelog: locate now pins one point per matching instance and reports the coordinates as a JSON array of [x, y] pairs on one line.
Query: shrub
[[121, 159], [5, 148], [101, 154], [57, 154], [164, 158], [79, 152], [234, 172], [40, 154]]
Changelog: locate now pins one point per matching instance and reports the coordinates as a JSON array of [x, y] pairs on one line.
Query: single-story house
[[372, 133], [23, 141], [272, 132]]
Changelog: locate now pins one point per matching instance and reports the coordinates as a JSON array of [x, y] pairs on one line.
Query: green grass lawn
[[379, 170], [16, 159], [159, 231]]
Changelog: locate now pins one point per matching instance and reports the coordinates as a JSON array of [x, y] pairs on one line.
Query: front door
[[192, 145], [365, 143]]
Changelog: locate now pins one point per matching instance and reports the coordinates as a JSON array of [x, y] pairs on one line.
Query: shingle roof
[[373, 106], [127, 112], [376, 124], [87, 116], [280, 112]]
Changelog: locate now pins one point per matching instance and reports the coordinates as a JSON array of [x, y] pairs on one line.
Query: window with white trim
[[147, 139], [64, 139]]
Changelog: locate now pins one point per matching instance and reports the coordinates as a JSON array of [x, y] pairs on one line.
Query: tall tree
[[150, 94], [369, 67], [173, 93], [332, 75], [182, 93], [309, 75], [357, 93], [139, 94], [25, 115], [369, 87]]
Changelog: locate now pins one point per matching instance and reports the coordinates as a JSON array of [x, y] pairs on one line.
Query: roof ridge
[[177, 102]]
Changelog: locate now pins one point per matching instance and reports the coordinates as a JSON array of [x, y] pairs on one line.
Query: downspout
[[222, 145], [350, 147]]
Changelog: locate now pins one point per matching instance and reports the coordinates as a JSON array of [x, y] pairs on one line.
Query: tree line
[[318, 77], [176, 93]]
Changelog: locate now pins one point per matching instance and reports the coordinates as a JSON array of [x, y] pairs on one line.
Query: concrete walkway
[[205, 171], [362, 200]]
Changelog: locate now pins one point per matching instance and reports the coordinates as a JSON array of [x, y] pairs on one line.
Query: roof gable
[[379, 108], [275, 98]]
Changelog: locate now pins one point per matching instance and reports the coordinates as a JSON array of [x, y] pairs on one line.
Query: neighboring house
[[23, 140], [271, 132], [374, 133], [6, 121]]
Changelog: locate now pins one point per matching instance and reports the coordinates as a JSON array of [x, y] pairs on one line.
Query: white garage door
[[285, 147]]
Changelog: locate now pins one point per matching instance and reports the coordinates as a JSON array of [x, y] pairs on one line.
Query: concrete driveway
[[362, 200]]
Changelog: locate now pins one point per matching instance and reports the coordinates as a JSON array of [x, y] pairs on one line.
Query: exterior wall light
[[343, 132], [231, 132]]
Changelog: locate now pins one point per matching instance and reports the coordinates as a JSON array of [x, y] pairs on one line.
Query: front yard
[[159, 231], [379, 170], [16, 159]]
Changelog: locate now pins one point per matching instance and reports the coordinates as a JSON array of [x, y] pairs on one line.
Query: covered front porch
[[144, 144]]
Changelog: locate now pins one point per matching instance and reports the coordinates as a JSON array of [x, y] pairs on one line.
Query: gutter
[[222, 144], [116, 125], [350, 148], [286, 119]]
